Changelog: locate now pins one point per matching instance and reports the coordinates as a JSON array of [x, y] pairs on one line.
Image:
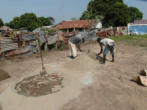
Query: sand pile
[[83, 62], [40, 85], [3, 75]]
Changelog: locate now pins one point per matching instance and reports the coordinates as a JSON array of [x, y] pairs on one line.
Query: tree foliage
[[15, 23], [114, 12], [73, 18], [1, 22], [42, 21], [30, 21]]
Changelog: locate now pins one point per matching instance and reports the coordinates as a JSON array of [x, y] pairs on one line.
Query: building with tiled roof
[[140, 22], [76, 25], [138, 27]]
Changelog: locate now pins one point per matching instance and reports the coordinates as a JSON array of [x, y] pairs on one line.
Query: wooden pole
[[43, 72]]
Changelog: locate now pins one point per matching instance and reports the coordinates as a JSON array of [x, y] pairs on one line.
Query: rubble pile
[[38, 85], [7, 44], [113, 31]]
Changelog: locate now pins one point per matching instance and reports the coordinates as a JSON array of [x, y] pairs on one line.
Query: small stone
[[143, 80], [143, 72]]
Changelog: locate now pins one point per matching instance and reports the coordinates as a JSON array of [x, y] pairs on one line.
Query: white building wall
[[99, 25]]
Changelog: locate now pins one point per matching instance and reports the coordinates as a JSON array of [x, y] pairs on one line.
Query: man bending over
[[74, 44], [108, 46]]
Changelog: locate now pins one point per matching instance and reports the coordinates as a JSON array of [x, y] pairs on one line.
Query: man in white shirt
[[109, 46]]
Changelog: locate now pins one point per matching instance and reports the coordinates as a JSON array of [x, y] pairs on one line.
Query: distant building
[[78, 25], [138, 27], [5, 28]]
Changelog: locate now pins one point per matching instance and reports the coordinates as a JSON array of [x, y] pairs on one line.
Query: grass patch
[[136, 40]]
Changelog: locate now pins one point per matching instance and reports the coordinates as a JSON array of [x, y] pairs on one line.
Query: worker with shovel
[[108, 46], [74, 44]]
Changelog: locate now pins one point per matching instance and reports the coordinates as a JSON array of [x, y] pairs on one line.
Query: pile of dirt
[[3, 75], [40, 85], [82, 62]]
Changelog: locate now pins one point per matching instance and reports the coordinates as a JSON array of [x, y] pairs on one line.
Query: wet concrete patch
[[39, 85]]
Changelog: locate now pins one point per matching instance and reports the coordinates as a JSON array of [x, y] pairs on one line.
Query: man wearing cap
[[74, 44], [109, 45]]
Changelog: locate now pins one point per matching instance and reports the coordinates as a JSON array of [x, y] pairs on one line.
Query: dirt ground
[[105, 86], [3, 75], [0, 107]]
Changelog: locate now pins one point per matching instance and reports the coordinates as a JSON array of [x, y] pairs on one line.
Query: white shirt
[[107, 41]]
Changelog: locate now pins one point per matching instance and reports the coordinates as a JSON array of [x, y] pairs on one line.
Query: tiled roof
[[140, 22], [76, 24]]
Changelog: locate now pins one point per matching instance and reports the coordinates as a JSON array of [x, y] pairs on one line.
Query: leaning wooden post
[[46, 43], [43, 72]]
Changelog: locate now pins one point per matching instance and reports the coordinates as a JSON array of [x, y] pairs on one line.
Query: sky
[[58, 9]]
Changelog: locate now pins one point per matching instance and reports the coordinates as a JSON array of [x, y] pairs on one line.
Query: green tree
[[51, 19], [30, 21], [134, 13], [15, 23], [114, 12], [1, 22], [42, 21]]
